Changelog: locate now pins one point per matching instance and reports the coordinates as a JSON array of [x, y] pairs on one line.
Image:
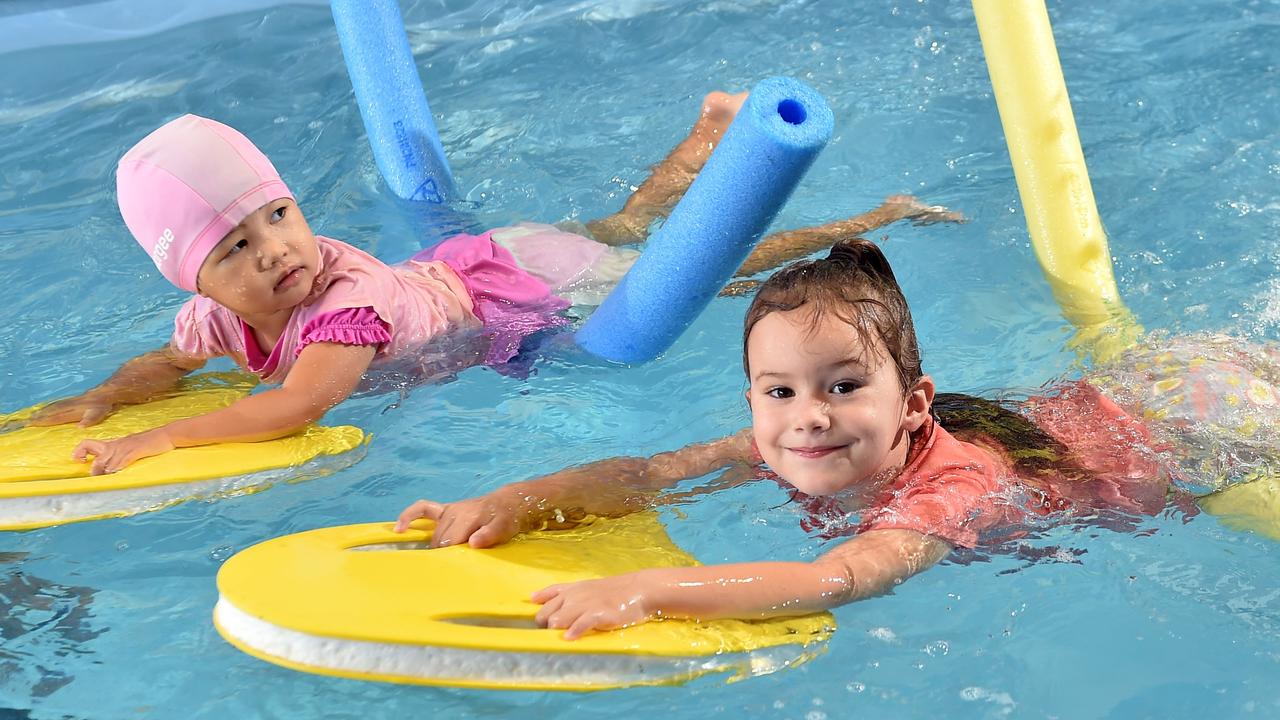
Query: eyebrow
[[851, 360]]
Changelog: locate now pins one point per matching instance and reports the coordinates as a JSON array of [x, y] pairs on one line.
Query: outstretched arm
[[137, 381], [612, 487], [659, 193], [324, 375], [783, 247], [870, 564]]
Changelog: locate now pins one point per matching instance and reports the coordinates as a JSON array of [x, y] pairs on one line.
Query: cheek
[[765, 429], [771, 456], [875, 416], [762, 422]]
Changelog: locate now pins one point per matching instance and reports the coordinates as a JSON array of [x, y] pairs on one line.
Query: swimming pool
[[550, 110]]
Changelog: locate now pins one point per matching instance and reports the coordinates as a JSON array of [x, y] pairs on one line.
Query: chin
[[818, 486]]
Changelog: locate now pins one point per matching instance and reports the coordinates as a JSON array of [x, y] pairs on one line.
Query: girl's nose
[[272, 252], [814, 416]]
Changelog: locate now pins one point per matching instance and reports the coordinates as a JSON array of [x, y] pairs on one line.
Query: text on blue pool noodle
[[392, 103]]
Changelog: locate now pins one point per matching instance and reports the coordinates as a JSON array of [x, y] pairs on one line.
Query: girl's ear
[[918, 402]]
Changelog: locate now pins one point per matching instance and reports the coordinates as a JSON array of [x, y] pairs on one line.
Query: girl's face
[[827, 413], [266, 265]]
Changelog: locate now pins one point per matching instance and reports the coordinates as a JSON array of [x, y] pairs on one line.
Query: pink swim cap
[[182, 188]]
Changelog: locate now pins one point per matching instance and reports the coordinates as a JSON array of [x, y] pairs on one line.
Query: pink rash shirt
[[356, 300]]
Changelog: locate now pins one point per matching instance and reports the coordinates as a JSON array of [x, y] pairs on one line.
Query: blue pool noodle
[[751, 173], [389, 92]]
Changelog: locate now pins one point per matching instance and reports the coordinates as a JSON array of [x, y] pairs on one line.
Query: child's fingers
[[547, 613], [87, 448], [552, 615], [103, 462], [446, 532], [94, 415], [546, 593], [420, 509], [116, 463], [107, 456], [430, 509], [494, 532], [454, 528], [484, 537], [584, 624], [115, 459]]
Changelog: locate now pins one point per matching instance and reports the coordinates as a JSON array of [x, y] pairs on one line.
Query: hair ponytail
[[863, 255]]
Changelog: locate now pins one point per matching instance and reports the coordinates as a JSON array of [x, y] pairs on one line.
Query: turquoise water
[[556, 110]]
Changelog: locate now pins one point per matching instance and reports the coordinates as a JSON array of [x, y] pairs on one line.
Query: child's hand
[[112, 455], [604, 604], [480, 522], [87, 409], [910, 208]]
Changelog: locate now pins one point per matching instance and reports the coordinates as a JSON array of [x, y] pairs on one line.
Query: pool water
[[556, 110]]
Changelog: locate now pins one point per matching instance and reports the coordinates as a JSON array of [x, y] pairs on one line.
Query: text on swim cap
[[161, 250]]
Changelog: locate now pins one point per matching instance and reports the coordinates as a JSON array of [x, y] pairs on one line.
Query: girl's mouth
[[815, 452], [291, 278]]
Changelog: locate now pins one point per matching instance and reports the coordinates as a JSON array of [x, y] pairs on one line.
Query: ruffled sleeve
[[347, 326]]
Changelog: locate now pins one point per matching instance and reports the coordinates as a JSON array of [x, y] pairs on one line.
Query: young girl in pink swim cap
[[844, 418], [315, 315]]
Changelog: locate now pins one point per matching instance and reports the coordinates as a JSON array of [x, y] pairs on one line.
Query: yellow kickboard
[[1253, 505], [41, 485], [365, 589]]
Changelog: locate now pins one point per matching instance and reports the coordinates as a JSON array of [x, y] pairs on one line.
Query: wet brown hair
[[1034, 452], [854, 284]]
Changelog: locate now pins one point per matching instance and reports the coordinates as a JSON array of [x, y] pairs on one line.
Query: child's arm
[[612, 487], [324, 375], [137, 381], [783, 247], [869, 564]]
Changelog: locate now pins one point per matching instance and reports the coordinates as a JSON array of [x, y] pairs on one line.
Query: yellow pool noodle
[[1053, 181]]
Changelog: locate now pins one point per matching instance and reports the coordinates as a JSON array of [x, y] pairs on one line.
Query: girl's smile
[[815, 452]]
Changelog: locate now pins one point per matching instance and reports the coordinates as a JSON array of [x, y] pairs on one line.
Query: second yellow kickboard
[[41, 485]]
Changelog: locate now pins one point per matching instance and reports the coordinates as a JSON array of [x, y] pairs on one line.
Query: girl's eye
[[278, 215], [781, 393], [241, 244], [844, 387]]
